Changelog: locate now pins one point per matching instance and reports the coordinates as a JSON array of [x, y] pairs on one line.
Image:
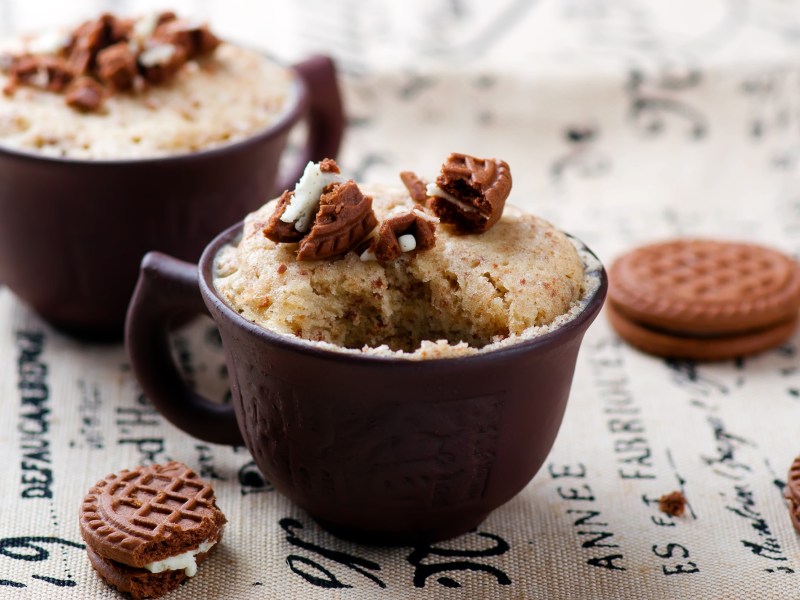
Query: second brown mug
[[72, 232]]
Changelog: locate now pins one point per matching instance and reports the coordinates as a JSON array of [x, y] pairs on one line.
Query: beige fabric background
[[623, 122]]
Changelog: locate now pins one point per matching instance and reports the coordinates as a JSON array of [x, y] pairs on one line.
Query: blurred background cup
[[383, 450], [73, 232]]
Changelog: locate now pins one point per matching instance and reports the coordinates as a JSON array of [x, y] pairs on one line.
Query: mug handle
[[168, 288], [326, 118]]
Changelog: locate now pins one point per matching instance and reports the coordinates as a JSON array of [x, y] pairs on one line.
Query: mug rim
[[205, 268], [296, 106]]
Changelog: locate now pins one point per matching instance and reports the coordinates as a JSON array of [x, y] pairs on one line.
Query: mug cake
[[130, 88], [399, 359]]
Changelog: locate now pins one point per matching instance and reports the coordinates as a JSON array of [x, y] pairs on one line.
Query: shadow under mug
[[73, 232], [376, 449]]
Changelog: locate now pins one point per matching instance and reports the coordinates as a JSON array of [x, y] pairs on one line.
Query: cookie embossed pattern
[[147, 529], [704, 299]]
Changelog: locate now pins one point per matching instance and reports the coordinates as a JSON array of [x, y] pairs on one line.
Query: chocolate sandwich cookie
[[147, 529], [704, 299]]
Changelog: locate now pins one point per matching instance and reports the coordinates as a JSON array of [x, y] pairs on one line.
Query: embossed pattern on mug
[[406, 454]]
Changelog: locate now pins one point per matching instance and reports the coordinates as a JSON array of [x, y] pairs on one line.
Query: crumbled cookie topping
[[406, 231], [327, 214], [116, 66], [85, 95], [416, 187], [344, 218], [470, 193], [107, 55], [280, 231]]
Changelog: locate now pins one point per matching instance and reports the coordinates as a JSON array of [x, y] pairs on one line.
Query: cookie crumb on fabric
[[673, 504]]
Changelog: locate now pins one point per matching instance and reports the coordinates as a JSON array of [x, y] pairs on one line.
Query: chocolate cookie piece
[[147, 529], [345, 217], [194, 38], [696, 286], [326, 213], [418, 230], [416, 187], [277, 230], [470, 192], [116, 66], [85, 94]]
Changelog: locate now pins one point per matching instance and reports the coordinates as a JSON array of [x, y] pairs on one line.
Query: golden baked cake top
[[462, 294]]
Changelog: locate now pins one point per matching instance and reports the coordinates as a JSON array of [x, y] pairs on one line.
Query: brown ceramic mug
[[376, 449], [73, 232]]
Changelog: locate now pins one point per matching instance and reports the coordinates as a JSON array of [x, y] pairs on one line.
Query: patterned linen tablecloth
[[624, 122]]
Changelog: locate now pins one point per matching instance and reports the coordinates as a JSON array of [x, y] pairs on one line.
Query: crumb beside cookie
[[147, 529], [673, 504]]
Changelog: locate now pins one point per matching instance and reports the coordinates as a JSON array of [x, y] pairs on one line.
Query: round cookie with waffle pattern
[[704, 299], [792, 493], [147, 529]]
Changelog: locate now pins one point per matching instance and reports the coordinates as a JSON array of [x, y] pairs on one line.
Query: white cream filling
[[368, 255], [416, 211], [185, 561], [303, 205], [423, 215], [40, 78], [49, 42], [157, 55], [145, 26], [435, 190], [397, 211], [407, 242]]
